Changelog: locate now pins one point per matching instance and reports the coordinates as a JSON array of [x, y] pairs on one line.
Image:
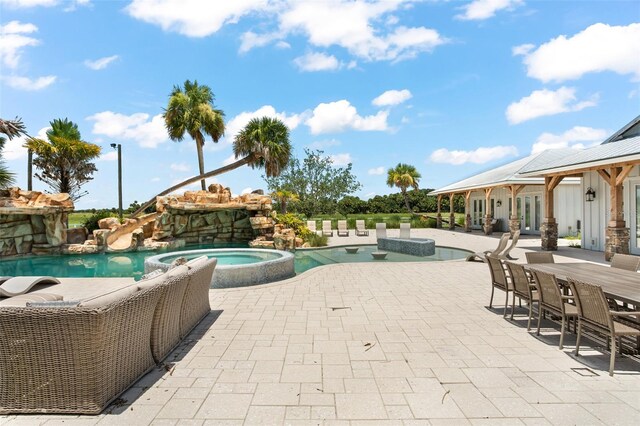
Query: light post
[[119, 148]]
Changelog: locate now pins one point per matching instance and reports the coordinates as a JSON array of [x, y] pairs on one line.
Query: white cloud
[[26, 83], [249, 40], [13, 40], [238, 122], [598, 48], [148, 133], [341, 159], [478, 156], [578, 137], [392, 97], [193, 18], [547, 102], [108, 156], [283, 45], [180, 167], [479, 10], [377, 171], [523, 49], [100, 64], [155, 179], [13, 149], [230, 159], [324, 144], [340, 116], [23, 4], [246, 190], [317, 62]]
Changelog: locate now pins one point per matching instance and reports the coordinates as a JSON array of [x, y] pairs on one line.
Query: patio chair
[[539, 257], [522, 288], [499, 280], [311, 225], [627, 262], [552, 300], [381, 230], [342, 228], [360, 228], [326, 228], [405, 231], [594, 313], [480, 256]]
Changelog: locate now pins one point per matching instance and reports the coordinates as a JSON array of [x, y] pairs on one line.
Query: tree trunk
[[199, 145], [406, 200], [201, 177], [283, 206]]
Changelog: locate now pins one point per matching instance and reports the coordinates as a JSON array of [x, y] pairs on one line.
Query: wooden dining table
[[617, 284]]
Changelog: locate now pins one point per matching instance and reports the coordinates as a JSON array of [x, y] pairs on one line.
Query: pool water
[[237, 258], [132, 264]]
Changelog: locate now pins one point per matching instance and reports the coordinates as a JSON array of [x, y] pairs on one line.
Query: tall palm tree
[[404, 176], [263, 143], [191, 110], [12, 129], [64, 160], [6, 177]]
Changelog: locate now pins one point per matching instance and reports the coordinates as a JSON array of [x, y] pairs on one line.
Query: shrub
[[460, 220], [316, 240], [291, 220], [91, 222]]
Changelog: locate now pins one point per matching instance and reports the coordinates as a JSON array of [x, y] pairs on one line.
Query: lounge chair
[[625, 261], [594, 313], [523, 289], [311, 225], [361, 229], [539, 257], [405, 231], [326, 228], [381, 230], [20, 285], [480, 256], [552, 300], [514, 240], [342, 228], [499, 280]]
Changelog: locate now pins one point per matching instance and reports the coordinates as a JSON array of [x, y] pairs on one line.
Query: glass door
[[477, 213], [529, 210]]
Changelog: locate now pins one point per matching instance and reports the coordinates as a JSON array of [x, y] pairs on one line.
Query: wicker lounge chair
[[405, 231], [522, 288], [311, 225], [499, 280], [342, 228], [539, 257], [552, 300], [326, 228], [594, 313], [361, 228], [195, 305], [625, 261], [381, 230], [20, 285], [480, 256]]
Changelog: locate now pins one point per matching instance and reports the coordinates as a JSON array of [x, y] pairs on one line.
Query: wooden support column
[[617, 233], [488, 227], [549, 227], [439, 215], [467, 211], [452, 216], [514, 219]]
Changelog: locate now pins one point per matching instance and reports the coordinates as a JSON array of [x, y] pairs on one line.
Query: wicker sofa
[[78, 359]]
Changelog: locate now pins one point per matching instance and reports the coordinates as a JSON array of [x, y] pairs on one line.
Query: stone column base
[[616, 241], [514, 225], [488, 228], [549, 235], [467, 223], [439, 221], [452, 221]]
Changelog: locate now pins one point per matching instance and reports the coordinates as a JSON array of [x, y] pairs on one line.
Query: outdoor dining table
[[617, 284]]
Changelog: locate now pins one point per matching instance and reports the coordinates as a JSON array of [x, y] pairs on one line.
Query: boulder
[[109, 223], [76, 235]]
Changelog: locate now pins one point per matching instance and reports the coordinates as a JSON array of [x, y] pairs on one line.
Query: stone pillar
[[467, 212], [616, 241], [56, 228], [452, 221], [467, 223], [439, 220], [549, 234], [488, 228], [514, 224]]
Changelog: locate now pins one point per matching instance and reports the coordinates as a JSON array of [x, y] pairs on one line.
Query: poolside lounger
[[514, 240], [405, 231], [20, 285], [326, 228], [481, 256], [361, 229], [342, 228], [381, 230], [311, 225], [3, 279]]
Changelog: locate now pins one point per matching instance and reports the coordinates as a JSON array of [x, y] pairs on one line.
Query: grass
[[392, 220], [76, 219]]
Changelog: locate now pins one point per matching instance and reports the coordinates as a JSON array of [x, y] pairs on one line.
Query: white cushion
[[109, 298]]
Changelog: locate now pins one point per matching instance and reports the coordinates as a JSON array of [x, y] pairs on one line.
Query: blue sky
[[452, 87]]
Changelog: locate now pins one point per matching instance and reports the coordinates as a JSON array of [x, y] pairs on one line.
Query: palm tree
[[404, 176], [12, 129], [64, 160], [6, 177], [264, 143], [191, 111], [283, 196]]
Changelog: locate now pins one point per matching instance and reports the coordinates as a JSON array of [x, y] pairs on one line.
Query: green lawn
[[392, 220], [77, 219]]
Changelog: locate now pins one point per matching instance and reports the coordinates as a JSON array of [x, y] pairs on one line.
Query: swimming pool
[[132, 264]]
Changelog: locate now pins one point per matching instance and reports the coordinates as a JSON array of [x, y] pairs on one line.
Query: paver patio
[[376, 343]]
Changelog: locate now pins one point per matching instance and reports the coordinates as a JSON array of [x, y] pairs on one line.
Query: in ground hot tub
[[236, 267]]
